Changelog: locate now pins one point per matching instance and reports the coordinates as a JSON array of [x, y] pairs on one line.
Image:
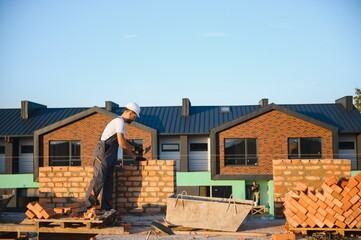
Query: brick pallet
[[73, 222], [336, 205]]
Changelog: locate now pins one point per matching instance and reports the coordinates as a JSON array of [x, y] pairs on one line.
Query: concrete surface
[[256, 224]]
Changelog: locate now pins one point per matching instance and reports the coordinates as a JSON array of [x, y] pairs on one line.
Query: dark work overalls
[[105, 157]]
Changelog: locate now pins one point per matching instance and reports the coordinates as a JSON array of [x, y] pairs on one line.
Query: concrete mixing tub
[[206, 212]]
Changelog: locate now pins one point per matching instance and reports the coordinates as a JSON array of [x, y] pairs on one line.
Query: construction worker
[[105, 156], [255, 191]]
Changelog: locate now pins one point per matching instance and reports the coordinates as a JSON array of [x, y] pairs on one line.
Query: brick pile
[[311, 172], [39, 210], [336, 205]]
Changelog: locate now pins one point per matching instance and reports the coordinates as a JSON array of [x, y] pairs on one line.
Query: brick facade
[[272, 131], [88, 131], [142, 189]]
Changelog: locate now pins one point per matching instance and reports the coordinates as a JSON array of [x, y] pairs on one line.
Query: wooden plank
[[57, 229], [324, 229], [68, 220], [214, 233]]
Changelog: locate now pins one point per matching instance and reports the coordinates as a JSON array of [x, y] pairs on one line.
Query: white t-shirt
[[114, 126]]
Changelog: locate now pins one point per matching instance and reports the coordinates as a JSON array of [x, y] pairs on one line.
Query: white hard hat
[[134, 107]]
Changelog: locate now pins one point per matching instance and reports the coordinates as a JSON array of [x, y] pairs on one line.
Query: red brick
[[327, 189], [302, 216], [358, 177], [331, 211], [331, 218], [302, 201], [331, 181], [283, 236], [298, 206], [339, 217], [320, 195], [312, 196], [311, 209], [321, 204], [328, 223], [322, 212], [346, 205], [356, 213], [30, 214], [310, 222], [319, 223], [338, 210], [291, 207], [340, 224], [296, 219], [353, 191], [352, 182], [355, 198], [337, 202], [301, 187], [336, 188]]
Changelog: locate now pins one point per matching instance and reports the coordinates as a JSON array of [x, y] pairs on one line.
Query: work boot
[[92, 201]]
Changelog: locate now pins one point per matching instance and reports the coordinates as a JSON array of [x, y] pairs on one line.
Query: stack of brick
[[39, 210], [312, 172], [336, 205]]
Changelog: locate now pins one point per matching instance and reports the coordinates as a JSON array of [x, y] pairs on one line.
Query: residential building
[[219, 150]]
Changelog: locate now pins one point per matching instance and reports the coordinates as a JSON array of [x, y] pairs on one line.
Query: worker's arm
[[123, 143]]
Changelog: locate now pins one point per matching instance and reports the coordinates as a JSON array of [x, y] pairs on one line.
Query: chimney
[[347, 103], [263, 102], [109, 106], [28, 107], [186, 107]]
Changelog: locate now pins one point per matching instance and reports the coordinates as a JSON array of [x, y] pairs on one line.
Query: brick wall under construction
[[288, 173], [142, 189]]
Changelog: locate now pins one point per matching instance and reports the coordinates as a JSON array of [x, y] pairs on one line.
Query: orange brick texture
[[88, 131], [289, 174], [272, 131], [337, 204], [145, 189], [63, 186], [142, 189]]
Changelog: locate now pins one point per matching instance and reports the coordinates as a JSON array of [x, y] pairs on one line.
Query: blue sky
[[74, 53]]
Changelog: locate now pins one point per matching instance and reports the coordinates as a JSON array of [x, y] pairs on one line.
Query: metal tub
[[4, 201], [207, 212]]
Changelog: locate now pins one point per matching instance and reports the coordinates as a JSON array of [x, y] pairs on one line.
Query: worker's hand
[[138, 150], [138, 159]]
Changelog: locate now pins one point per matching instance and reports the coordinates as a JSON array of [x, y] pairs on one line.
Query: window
[[198, 147], [346, 145], [221, 191], [214, 191], [240, 151], [304, 148], [2, 149], [64, 153], [27, 149], [170, 147]]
